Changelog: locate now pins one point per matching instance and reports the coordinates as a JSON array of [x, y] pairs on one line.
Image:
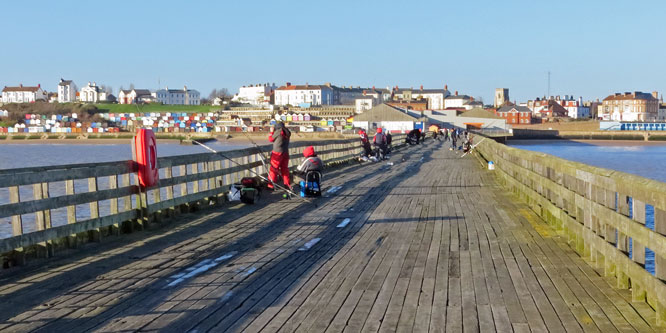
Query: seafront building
[[515, 114], [23, 94], [91, 93], [630, 106], [558, 107], [177, 96], [304, 95], [258, 95], [135, 96], [66, 91]]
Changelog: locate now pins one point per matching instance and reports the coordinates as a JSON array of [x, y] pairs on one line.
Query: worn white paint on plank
[[249, 271], [309, 244], [344, 223], [333, 189], [199, 268], [226, 296]]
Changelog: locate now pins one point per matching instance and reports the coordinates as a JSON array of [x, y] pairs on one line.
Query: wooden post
[[168, 174], [95, 234], [18, 255], [71, 213], [113, 205], [660, 260], [638, 249], [43, 218], [182, 171], [127, 202]]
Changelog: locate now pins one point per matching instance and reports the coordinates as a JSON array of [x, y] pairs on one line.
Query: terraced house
[[23, 94]]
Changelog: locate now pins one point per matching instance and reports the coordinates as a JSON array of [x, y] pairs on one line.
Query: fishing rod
[[473, 146], [288, 191]]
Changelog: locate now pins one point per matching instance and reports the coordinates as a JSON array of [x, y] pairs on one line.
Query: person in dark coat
[[389, 140], [379, 141], [413, 137], [279, 136]]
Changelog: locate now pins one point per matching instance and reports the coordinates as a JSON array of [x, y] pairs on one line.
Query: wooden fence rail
[[602, 212], [112, 188]]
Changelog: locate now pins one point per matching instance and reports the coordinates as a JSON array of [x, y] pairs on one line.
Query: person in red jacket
[[365, 142], [280, 155]]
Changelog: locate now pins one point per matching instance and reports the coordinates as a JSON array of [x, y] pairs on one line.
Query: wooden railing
[[84, 202], [602, 212]]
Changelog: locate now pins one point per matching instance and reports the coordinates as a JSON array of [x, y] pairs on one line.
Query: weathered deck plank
[[432, 244]]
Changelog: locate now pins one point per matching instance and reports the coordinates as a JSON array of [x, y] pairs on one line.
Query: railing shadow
[[52, 287]]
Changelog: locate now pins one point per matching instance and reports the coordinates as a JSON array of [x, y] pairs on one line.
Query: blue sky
[[591, 48]]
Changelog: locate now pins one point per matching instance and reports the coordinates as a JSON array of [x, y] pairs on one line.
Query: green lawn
[[134, 108]]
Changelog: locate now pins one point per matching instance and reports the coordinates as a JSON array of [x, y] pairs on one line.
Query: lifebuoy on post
[[144, 149]]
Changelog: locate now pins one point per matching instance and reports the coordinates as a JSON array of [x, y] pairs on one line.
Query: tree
[[212, 94], [131, 86], [223, 92], [107, 89]]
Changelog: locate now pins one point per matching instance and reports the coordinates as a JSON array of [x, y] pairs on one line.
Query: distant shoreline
[[237, 138]]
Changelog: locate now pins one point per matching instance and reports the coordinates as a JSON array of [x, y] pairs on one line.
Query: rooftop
[[21, 88], [630, 96], [384, 112]]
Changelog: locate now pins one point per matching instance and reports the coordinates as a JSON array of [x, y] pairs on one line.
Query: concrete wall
[[590, 207]]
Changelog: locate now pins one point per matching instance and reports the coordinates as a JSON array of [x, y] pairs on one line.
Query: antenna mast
[[548, 95]]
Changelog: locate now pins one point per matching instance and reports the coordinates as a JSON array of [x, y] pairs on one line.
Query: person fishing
[[413, 137], [454, 139], [389, 139], [365, 142], [311, 163], [279, 136], [379, 141]]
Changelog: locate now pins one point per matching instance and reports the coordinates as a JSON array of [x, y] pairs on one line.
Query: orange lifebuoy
[[145, 155]]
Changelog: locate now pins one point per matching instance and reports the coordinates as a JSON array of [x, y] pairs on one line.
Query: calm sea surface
[[639, 158]]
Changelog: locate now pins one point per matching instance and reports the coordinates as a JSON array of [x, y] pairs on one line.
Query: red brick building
[[515, 114]]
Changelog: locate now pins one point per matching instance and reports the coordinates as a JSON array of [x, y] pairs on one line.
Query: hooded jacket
[[311, 161], [379, 139], [280, 138]]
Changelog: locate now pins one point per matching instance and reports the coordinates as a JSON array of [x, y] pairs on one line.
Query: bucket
[[491, 165]]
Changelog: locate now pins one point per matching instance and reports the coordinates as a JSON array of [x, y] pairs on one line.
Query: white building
[[66, 91], [135, 96], [435, 97], [456, 101], [23, 94], [304, 94], [385, 116], [575, 108], [365, 103], [92, 94], [255, 94], [178, 96]]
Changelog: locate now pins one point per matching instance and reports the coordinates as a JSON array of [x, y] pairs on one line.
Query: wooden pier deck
[[430, 243]]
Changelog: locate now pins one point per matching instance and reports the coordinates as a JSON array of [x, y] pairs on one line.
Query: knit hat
[[308, 151]]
